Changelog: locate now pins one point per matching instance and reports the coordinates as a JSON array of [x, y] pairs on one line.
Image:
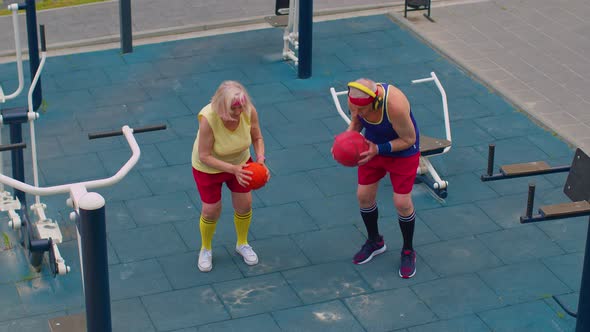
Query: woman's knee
[[403, 204], [211, 211], [242, 202]]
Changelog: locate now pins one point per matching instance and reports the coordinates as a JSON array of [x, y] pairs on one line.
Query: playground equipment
[[429, 146], [577, 189], [89, 217], [414, 5]]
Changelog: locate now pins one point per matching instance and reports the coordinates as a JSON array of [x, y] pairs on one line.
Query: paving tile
[[132, 186], [389, 228], [300, 187], [570, 234], [158, 110], [182, 271], [289, 160], [467, 133], [118, 217], [169, 179], [307, 109], [335, 180], [323, 282], [12, 307], [528, 281], [568, 268], [385, 311], [175, 151], [256, 323], [114, 159], [508, 125], [514, 150], [466, 323], [256, 295], [46, 294], [162, 209], [15, 265], [344, 243], [130, 315], [457, 296], [30, 324], [467, 188], [526, 243], [462, 160], [453, 257], [135, 279], [105, 118], [513, 186], [299, 133], [147, 242], [532, 316], [185, 308], [333, 211], [457, 221], [280, 220], [506, 211], [328, 316], [80, 168], [551, 145]]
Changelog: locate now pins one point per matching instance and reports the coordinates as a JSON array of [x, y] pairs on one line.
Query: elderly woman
[[228, 126]]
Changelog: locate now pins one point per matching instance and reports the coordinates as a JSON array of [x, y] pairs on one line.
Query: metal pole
[[31, 13], [583, 318], [305, 38], [95, 263], [125, 25]]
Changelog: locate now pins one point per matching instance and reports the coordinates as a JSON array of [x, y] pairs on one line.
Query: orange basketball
[[347, 148], [258, 175]]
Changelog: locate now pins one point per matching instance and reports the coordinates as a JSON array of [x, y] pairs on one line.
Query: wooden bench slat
[[524, 168], [565, 209], [430, 145]]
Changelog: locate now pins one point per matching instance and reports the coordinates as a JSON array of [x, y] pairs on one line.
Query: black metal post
[[95, 263], [583, 317], [31, 14], [125, 26], [491, 151], [18, 167], [305, 38]]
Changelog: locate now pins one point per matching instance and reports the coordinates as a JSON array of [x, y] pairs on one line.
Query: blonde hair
[[227, 93], [356, 93]]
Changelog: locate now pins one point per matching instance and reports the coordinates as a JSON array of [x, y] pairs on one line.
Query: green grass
[[48, 4], [6, 241]]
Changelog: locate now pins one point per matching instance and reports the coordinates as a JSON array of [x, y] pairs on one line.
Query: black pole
[[18, 167], [305, 38], [583, 318], [125, 25], [95, 263], [31, 13]]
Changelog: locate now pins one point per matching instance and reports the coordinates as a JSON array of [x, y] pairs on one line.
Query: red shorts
[[402, 171], [209, 185]]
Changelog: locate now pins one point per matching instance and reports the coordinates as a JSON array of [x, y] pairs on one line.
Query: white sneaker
[[205, 260], [248, 254]]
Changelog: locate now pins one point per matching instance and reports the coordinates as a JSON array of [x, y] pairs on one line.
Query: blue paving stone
[[132, 186], [463, 160], [270, 115], [114, 159], [256, 295], [333, 211], [104, 118], [208, 82], [300, 134], [275, 254], [12, 307], [519, 186], [64, 104], [162, 209], [118, 217], [508, 125], [72, 169], [335, 180], [323, 282], [458, 256], [467, 133], [457, 296], [279, 220], [527, 282], [97, 59], [299, 187], [78, 79], [46, 294], [14, 262], [256, 323], [457, 221], [389, 310], [307, 109], [569, 300], [389, 228], [329, 316], [166, 180], [520, 244], [570, 234], [568, 268], [137, 279], [185, 308], [184, 126], [182, 271], [296, 159], [147, 242], [532, 316], [159, 88], [469, 323], [79, 144], [30, 324], [340, 243], [129, 72], [183, 66], [467, 188], [462, 107], [274, 72], [494, 102], [506, 210], [513, 150], [551, 145], [130, 316], [119, 94], [159, 110], [177, 151], [259, 93]]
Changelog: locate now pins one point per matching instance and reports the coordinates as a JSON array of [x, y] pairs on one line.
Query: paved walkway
[[467, 244]]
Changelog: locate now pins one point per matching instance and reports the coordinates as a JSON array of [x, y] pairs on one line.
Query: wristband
[[260, 158], [384, 148]]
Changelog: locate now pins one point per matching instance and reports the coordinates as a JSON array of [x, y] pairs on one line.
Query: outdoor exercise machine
[[577, 189], [429, 146], [89, 217], [414, 5]]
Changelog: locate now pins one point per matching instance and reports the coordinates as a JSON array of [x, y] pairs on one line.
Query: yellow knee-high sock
[[207, 228], [242, 223]]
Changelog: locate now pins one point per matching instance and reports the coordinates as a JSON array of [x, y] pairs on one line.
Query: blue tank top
[[383, 131]]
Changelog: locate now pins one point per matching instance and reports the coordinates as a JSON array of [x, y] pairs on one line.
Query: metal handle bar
[[120, 132], [65, 188], [443, 94], [6, 147]]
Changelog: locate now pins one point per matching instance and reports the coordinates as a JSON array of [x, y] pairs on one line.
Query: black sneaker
[[407, 267], [369, 250]]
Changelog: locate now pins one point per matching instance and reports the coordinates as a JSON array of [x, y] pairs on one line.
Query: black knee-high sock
[[370, 216], [406, 225]]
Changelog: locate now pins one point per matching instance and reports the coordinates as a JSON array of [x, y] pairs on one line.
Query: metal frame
[[422, 7], [426, 170]]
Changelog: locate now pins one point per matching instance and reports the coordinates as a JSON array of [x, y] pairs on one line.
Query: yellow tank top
[[231, 146]]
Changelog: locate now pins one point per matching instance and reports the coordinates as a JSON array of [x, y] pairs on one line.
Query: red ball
[[258, 175], [348, 147]]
